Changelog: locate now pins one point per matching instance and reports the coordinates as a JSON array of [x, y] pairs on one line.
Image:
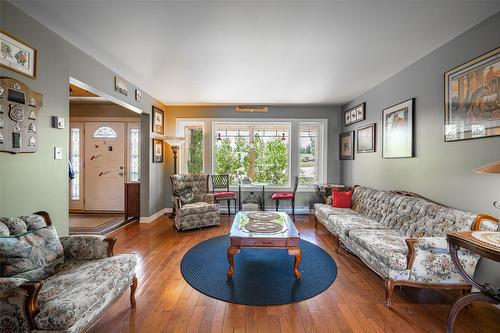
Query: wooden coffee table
[[240, 238]]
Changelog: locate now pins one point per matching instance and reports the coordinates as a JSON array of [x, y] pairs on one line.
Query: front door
[[104, 166]]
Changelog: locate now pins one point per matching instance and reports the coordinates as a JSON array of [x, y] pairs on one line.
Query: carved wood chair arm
[[478, 223], [31, 302], [410, 256], [23, 291]]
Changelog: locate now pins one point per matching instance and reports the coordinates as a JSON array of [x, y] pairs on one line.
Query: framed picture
[[17, 55], [138, 95], [346, 149], [355, 114], [121, 86], [158, 121], [397, 128], [157, 151], [472, 99], [365, 139]]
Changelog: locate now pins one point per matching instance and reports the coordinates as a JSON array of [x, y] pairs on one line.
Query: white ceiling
[[270, 52]]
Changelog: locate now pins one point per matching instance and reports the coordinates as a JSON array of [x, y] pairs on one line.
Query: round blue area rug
[[261, 276]]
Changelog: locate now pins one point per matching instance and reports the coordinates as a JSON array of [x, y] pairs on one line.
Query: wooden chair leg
[[229, 207], [389, 287], [133, 288], [293, 207]]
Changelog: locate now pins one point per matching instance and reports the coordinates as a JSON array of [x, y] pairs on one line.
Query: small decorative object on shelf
[[19, 108]]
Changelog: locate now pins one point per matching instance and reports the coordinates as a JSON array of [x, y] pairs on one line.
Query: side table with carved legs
[[487, 293]]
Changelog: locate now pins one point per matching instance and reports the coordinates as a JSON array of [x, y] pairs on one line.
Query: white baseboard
[[149, 219]]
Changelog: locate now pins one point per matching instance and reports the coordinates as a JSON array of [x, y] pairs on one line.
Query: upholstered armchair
[[195, 207], [57, 284]]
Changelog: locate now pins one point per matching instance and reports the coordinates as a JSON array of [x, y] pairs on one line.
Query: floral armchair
[[57, 284], [194, 206]]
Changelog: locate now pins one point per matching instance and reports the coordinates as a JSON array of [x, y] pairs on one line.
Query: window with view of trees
[[192, 161], [257, 151], [309, 145]]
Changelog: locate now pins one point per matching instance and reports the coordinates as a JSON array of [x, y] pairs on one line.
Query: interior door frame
[[79, 122]]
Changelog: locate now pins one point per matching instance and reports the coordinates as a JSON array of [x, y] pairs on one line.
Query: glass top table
[[288, 238]]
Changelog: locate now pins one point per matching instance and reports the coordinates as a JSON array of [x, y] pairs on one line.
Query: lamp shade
[[175, 141], [489, 168]]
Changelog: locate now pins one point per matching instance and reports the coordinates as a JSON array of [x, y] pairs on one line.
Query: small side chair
[[220, 189], [287, 196]]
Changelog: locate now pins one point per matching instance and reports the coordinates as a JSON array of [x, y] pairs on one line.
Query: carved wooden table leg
[[231, 251], [297, 253], [465, 301]]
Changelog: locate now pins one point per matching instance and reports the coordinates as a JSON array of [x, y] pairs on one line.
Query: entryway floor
[[95, 223]]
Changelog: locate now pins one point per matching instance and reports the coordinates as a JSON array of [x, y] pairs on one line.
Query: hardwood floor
[[354, 302]]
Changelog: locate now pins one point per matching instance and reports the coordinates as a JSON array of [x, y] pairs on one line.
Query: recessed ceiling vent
[[251, 108]]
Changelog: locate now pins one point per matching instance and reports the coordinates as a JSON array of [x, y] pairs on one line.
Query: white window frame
[[181, 131], [293, 141], [322, 152]]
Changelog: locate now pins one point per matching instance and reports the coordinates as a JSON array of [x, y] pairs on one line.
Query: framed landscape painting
[[17, 55], [346, 149], [158, 121], [365, 139], [472, 99], [397, 128]]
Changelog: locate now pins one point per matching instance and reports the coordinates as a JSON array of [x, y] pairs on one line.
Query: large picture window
[[259, 151]]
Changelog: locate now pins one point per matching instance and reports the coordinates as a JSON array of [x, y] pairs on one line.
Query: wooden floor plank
[[353, 303]]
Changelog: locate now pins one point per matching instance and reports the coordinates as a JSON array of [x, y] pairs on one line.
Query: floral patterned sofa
[[202, 211], [402, 237], [52, 284]]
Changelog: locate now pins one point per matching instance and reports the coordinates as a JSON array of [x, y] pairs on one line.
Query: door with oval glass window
[[104, 166]]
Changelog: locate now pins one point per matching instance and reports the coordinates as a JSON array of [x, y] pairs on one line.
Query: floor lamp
[[174, 142]]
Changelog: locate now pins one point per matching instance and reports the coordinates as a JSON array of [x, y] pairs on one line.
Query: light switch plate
[[58, 153]]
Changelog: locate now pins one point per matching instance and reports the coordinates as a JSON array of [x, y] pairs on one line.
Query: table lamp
[[175, 142]]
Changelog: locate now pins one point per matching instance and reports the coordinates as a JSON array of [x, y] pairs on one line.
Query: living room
[[296, 166]]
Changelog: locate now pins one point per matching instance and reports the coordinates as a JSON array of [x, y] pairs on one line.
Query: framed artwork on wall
[[157, 151], [355, 114], [397, 129], [158, 121], [472, 99], [17, 55], [346, 146], [138, 95], [365, 139], [121, 86]]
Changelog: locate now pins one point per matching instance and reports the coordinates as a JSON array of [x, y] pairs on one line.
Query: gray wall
[[282, 112], [32, 182], [441, 171]]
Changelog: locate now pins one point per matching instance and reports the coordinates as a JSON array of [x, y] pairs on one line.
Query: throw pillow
[[342, 199], [186, 195]]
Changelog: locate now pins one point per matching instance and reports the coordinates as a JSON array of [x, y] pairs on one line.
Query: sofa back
[[411, 216], [198, 183], [29, 247]]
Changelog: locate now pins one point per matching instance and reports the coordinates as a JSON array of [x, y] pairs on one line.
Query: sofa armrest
[[209, 198], [19, 302], [434, 245], [177, 202], [87, 247], [485, 222]]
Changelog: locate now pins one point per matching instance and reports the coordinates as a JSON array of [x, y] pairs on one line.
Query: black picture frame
[[355, 114], [373, 138], [158, 121], [346, 138], [157, 151], [478, 116], [388, 146]]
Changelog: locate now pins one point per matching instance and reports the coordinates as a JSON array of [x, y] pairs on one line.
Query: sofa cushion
[[385, 244], [282, 196], [197, 208], [342, 199], [224, 195], [81, 290], [323, 211], [342, 224], [32, 255]]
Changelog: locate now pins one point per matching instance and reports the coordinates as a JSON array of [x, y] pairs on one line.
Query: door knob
[[121, 168]]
